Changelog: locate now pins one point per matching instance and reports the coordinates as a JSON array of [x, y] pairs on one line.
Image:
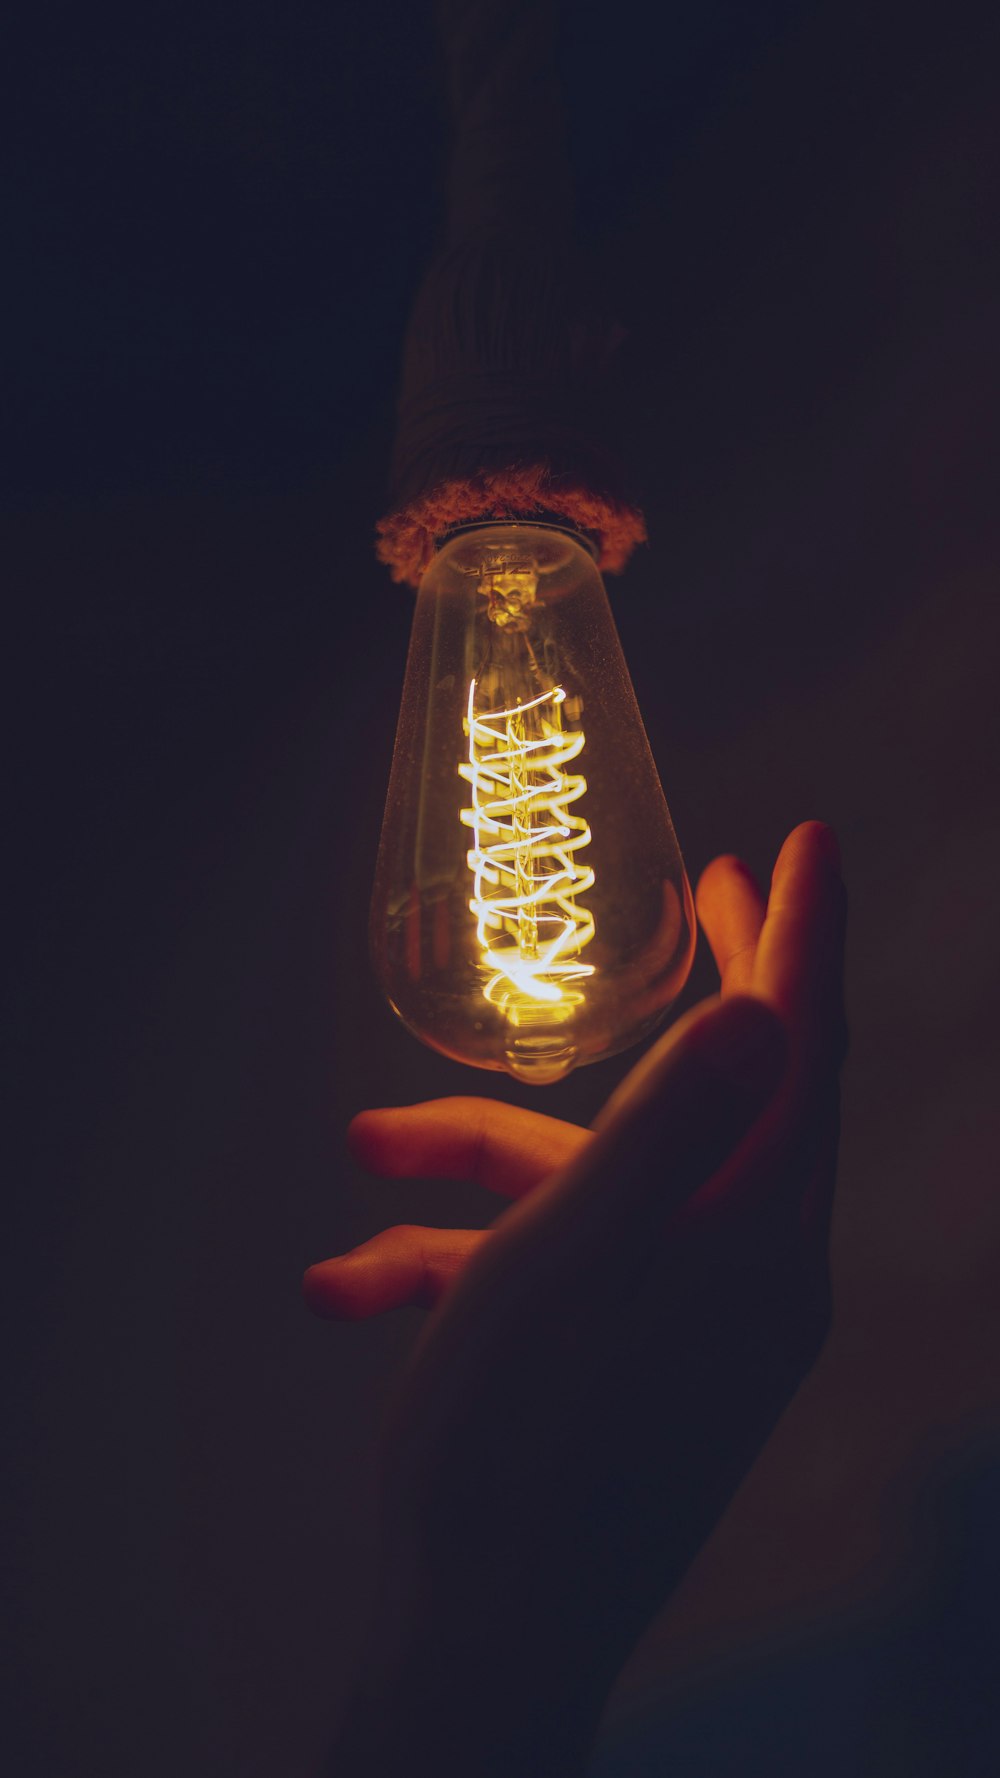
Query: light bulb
[[531, 910]]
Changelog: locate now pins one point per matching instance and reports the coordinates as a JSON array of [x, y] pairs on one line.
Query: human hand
[[602, 1367]]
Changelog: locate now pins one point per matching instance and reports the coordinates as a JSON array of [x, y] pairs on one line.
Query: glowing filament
[[527, 875]]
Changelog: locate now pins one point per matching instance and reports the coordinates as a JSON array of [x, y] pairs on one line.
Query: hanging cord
[[503, 409]]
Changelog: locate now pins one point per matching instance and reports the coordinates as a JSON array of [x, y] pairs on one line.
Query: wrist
[[473, 1688], [433, 1721]]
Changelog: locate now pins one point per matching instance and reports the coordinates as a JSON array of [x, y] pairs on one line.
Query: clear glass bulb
[[531, 910]]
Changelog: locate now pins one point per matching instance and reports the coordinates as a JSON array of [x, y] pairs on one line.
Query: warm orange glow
[[527, 874]]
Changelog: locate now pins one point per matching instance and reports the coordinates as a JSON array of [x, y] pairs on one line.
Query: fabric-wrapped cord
[[503, 409]]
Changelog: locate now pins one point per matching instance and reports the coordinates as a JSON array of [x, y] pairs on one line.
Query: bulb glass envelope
[[531, 911]]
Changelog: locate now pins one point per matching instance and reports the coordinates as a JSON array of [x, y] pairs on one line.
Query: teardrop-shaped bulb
[[531, 911]]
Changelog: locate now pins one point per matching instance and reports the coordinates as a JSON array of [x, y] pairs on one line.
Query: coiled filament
[[527, 873]]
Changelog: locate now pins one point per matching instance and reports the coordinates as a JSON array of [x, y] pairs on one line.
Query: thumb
[[683, 1117]]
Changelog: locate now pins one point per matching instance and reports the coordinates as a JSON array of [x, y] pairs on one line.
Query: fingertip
[[827, 843], [717, 876], [358, 1131], [339, 1290], [369, 1139], [807, 882], [406, 1142], [315, 1289], [817, 838]]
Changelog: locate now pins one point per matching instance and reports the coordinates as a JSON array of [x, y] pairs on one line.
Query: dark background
[[212, 229]]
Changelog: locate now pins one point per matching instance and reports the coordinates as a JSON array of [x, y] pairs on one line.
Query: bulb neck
[[553, 524], [501, 550]]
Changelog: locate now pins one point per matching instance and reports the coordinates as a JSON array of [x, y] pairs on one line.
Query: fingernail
[[829, 846], [743, 1042]]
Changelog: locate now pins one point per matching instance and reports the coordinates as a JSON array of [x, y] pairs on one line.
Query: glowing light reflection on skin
[[527, 876]]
